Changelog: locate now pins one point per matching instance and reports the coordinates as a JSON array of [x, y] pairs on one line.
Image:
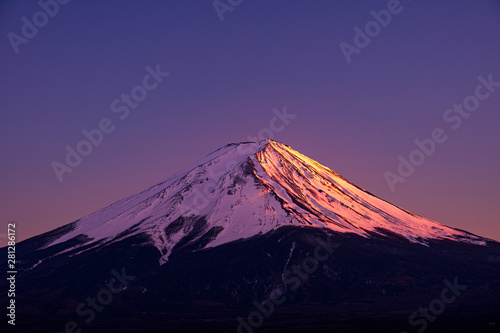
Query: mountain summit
[[203, 250], [246, 189]]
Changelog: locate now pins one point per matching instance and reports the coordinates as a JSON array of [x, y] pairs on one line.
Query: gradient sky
[[225, 79]]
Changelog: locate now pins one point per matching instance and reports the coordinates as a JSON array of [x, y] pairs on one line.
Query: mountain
[[200, 249], [243, 190]]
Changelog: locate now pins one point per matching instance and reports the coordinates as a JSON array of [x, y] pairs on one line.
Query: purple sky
[[225, 79]]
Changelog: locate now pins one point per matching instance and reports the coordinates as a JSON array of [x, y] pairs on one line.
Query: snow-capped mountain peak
[[246, 189]]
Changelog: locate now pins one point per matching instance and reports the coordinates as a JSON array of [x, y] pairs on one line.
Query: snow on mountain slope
[[245, 189]]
